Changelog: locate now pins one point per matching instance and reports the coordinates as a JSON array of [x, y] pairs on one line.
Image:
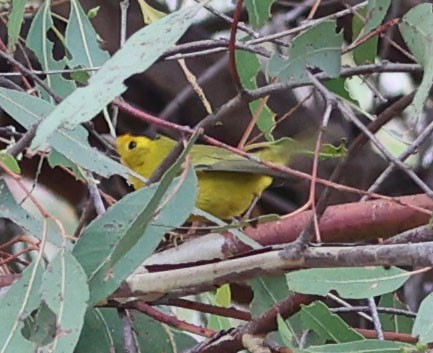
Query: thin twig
[[129, 339], [124, 6], [376, 319], [232, 48]]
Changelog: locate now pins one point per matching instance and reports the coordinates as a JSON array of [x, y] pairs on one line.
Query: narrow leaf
[[10, 162], [131, 229], [16, 305], [37, 40], [395, 322], [72, 144], [249, 67], [365, 346], [318, 317], [65, 291], [417, 31], [16, 18], [373, 17], [95, 336], [309, 50], [268, 291], [10, 209], [82, 40], [139, 52], [423, 326], [354, 283], [153, 336], [259, 12], [285, 333]]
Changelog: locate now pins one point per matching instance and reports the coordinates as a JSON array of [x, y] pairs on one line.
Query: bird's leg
[[247, 214]]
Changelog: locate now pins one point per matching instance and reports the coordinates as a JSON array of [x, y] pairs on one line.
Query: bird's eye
[[132, 145]]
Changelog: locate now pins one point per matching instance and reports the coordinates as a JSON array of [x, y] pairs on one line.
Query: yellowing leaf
[[149, 13]]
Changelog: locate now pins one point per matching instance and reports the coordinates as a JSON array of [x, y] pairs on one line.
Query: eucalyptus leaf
[[353, 283], [115, 244], [153, 336], [139, 52], [365, 346], [16, 18], [318, 317], [417, 31], [249, 67], [10, 162], [373, 16], [10, 209], [65, 291], [38, 41], [310, 51], [268, 291], [259, 11], [96, 335], [82, 40], [16, 305], [423, 326], [395, 322], [28, 110]]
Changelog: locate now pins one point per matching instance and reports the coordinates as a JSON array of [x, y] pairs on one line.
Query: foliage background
[[74, 260]]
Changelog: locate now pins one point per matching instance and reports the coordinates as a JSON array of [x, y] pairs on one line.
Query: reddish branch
[[168, 319], [232, 45], [389, 336], [207, 308], [358, 221], [232, 341]]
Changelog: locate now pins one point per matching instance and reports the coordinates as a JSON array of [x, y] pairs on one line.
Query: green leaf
[[65, 291], [338, 86], [10, 209], [14, 23], [423, 326], [95, 336], [93, 12], [297, 327], [268, 291], [374, 15], [318, 317], [248, 66], [150, 14], [223, 298], [40, 327], [37, 40], [417, 31], [10, 162], [140, 51], [115, 327], [133, 228], [17, 304], [153, 336], [394, 322], [365, 346], [285, 332], [353, 283], [55, 159], [259, 12], [377, 10], [72, 144], [81, 40], [309, 50]]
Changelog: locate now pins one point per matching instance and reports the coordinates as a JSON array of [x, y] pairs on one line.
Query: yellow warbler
[[228, 183]]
